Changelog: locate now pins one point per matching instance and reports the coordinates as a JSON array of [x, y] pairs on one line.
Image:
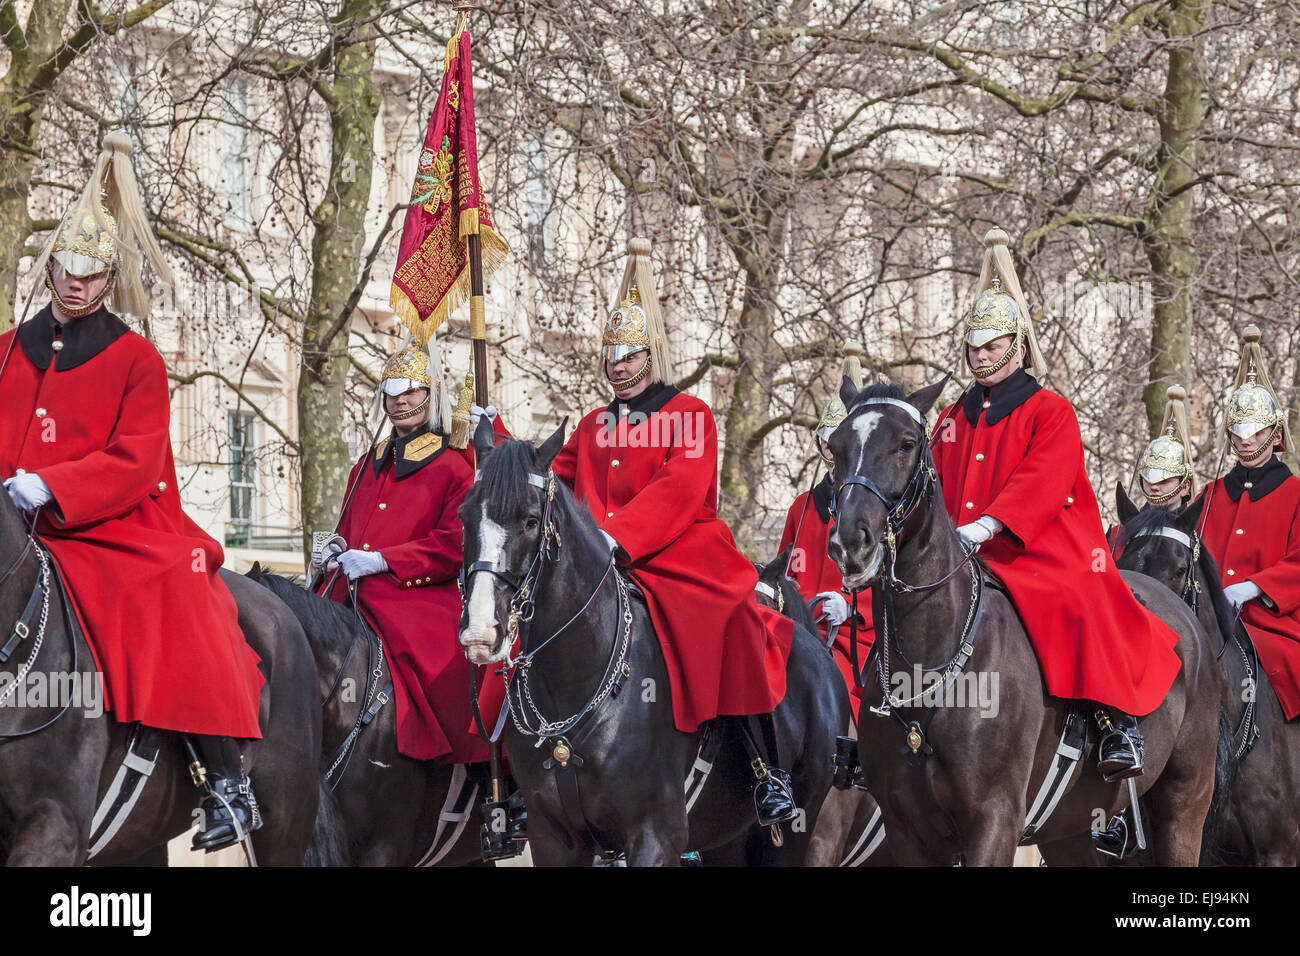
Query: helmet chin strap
[[1007, 356], [77, 311], [632, 380], [1265, 447], [411, 412]]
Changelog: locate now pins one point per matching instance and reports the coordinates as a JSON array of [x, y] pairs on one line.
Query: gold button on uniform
[[614, 463], [1069, 500], [1231, 572], [609, 514], [1241, 531], [382, 506], [365, 547], [970, 505], [408, 584], [162, 486], [40, 413], [980, 456], [987, 404]]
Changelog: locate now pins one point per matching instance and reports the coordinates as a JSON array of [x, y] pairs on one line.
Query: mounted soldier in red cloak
[[1166, 471], [85, 444], [1010, 456], [647, 466], [807, 528], [1252, 524], [398, 551]]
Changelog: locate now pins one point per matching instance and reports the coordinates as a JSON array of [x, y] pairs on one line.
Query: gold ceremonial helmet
[[1169, 454], [835, 412], [636, 323], [625, 332], [1253, 404], [107, 230], [1000, 308]]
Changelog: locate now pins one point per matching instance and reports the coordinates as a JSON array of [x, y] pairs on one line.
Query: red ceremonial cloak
[[814, 572], [92, 420], [1253, 531], [407, 493], [1021, 461], [652, 483]]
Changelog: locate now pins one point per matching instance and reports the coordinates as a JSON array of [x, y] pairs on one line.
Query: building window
[[236, 153], [536, 201], [243, 454]]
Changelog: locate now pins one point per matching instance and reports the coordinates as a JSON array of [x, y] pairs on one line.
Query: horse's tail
[[329, 839], [1225, 776]]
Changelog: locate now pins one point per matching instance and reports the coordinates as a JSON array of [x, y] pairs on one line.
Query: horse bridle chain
[[524, 712], [919, 488], [1190, 596]]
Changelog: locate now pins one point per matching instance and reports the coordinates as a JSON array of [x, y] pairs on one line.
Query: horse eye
[[908, 444], [531, 523]]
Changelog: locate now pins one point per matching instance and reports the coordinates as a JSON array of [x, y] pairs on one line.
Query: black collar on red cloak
[[82, 338], [822, 499], [655, 397], [1260, 481], [409, 452], [1003, 398]]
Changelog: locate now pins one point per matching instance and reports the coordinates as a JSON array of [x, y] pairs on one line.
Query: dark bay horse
[[379, 807], [1254, 819], [849, 832], [52, 779], [954, 778], [535, 557]]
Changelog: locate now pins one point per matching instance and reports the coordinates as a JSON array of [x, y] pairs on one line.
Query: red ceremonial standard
[[447, 204]]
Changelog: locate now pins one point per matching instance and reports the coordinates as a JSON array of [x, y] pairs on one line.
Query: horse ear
[[1124, 504], [255, 572], [551, 447], [484, 440], [774, 570], [848, 392], [924, 398], [1190, 516]]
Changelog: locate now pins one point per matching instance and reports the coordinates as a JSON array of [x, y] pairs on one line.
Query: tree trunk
[[353, 101], [1169, 238]]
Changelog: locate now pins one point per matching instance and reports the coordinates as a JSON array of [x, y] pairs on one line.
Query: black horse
[[378, 806], [613, 775], [849, 832], [955, 780], [52, 779], [1254, 819]]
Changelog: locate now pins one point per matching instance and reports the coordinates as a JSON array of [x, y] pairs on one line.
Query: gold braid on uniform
[[633, 380], [77, 311], [402, 416], [1010, 353]]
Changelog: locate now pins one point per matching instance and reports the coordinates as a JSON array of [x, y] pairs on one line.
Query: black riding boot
[[773, 796], [1114, 840], [1120, 753], [229, 809]]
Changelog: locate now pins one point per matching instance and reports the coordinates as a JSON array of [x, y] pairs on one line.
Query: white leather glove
[[476, 412], [1239, 594], [327, 549], [357, 564], [978, 531], [28, 492], [835, 607]]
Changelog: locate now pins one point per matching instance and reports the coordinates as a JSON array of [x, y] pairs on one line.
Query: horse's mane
[[1149, 520], [503, 477], [879, 390], [319, 616]]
